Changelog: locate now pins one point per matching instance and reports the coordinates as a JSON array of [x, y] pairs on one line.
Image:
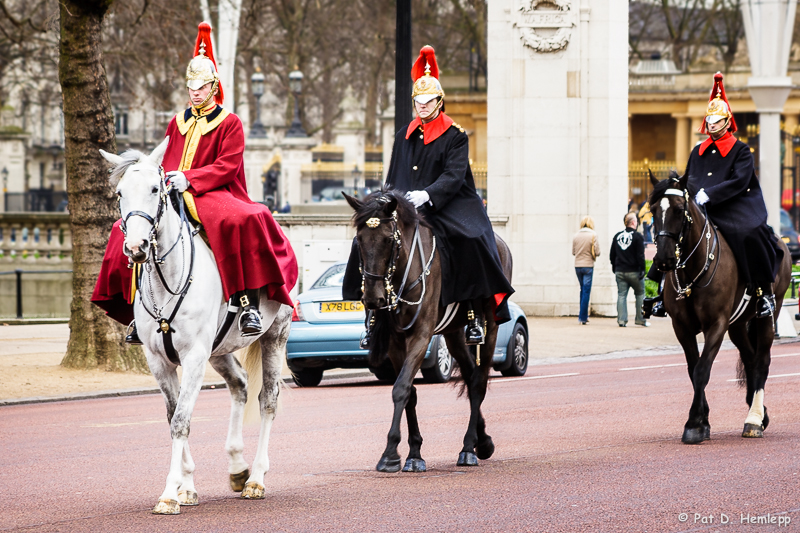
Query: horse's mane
[[129, 158], [375, 203]]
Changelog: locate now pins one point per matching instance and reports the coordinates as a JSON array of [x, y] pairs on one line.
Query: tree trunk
[[95, 340]]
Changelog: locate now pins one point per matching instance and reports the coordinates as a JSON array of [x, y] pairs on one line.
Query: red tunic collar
[[724, 143], [432, 130]]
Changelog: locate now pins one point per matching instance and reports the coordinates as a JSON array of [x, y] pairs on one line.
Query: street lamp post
[[4, 173], [356, 177], [257, 86], [296, 86]]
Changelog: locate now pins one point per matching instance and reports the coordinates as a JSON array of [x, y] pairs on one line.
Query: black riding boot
[[474, 333], [250, 319], [133, 336], [766, 302], [654, 306], [369, 323]]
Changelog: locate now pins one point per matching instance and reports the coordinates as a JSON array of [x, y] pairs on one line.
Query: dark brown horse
[[401, 276], [703, 292]]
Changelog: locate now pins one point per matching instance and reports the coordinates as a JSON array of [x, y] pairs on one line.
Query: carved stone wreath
[[530, 18]]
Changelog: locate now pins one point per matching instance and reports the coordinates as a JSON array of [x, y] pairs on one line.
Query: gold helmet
[[202, 68], [718, 106], [425, 74]]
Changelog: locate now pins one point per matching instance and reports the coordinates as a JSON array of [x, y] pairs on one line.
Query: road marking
[[139, 423], [506, 380], [654, 366], [775, 376], [785, 355]]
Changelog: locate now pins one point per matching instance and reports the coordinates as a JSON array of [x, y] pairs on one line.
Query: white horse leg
[[273, 344], [234, 375], [194, 368], [753, 424], [187, 495]]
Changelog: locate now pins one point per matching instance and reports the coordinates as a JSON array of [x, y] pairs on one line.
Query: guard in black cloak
[[430, 162], [722, 178]]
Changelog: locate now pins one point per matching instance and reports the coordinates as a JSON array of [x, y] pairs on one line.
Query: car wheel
[[308, 377], [442, 370], [385, 372], [518, 352]]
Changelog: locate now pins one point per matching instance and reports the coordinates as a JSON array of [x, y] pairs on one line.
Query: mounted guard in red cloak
[[204, 161]]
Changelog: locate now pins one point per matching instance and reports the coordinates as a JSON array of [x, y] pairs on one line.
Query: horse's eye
[[154, 190], [119, 194]]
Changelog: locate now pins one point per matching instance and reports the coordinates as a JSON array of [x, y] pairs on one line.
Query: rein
[[711, 247], [393, 298]]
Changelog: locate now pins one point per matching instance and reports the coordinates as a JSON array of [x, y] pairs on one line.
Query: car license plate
[[340, 307], [785, 239]]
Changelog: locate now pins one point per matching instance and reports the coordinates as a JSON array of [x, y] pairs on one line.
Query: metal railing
[[19, 272]]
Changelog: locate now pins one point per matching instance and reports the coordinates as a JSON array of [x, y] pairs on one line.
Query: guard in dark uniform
[[722, 178], [430, 162]]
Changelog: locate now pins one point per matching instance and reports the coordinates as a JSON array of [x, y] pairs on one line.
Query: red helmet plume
[[427, 56], [718, 105]]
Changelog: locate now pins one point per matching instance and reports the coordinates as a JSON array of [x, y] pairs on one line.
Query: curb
[[32, 321], [154, 390]]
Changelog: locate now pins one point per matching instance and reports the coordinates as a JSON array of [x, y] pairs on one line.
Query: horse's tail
[[380, 339], [255, 380]]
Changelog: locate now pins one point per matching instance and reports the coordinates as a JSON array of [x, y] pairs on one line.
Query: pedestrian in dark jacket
[[627, 263]]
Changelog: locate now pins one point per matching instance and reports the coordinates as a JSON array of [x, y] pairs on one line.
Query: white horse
[[157, 238]]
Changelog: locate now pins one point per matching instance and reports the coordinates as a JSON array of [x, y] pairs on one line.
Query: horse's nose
[[138, 251], [375, 303]]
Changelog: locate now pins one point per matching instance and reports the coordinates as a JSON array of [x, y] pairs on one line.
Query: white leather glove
[[418, 198], [178, 180], [701, 197]]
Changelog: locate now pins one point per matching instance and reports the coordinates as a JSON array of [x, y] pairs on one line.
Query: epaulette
[[457, 125]]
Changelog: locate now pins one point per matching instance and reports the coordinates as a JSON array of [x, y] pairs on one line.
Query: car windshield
[[786, 222], [331, 278]]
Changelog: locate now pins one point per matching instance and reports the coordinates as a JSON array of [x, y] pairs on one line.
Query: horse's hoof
[[188, 497], [485, 448], [752, 431], [467, 459], [765, 420], [388, 465], [167, 506], [415, 465], [238, 480], [706, 432], [253, 491], [693, 435]]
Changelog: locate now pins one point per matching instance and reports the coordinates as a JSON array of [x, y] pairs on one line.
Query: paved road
[[581, 446]]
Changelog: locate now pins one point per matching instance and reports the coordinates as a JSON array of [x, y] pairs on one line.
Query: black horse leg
[[414, 462], [694, 430], [757, 420], [689, 343], [485, 446]]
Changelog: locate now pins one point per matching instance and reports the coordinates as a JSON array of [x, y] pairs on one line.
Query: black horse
[[703, 292], [401, 276]]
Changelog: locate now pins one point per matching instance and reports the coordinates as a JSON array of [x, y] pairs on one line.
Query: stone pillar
[[682, 142], [768, 26], [295, 152], [558, 141], [630, 138]]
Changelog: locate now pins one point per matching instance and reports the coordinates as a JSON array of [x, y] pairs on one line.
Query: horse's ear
[[157, 155], [683, 181], [390, 206], [355, 203], [114, 159], [653, 179]]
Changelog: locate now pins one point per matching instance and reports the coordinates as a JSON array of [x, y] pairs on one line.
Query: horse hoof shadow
[[387, 464], [467, 459], [752, 431], [694, 435], [415, 465], [238, 480], [485, 448]]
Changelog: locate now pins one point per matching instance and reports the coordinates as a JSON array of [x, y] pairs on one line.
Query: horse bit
[[395, 298], [684, 292]]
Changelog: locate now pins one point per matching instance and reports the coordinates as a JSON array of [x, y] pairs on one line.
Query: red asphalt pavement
[[590, 445]]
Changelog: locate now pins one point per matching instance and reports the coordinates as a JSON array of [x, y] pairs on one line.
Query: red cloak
[[250, 248]]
